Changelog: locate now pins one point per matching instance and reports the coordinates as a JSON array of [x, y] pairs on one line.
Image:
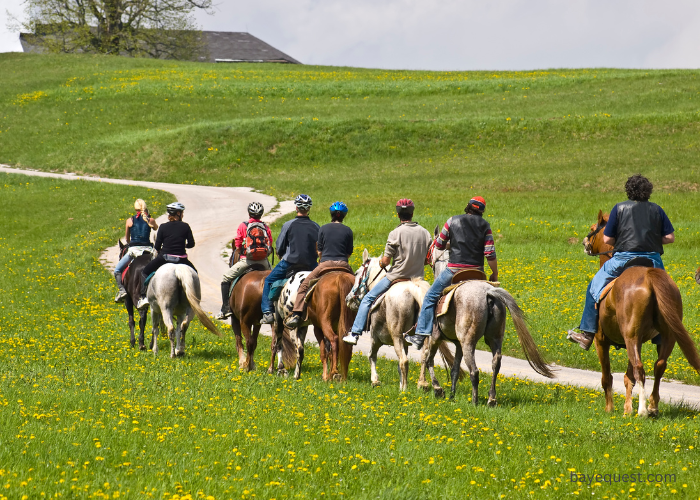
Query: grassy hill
[[546, 149]]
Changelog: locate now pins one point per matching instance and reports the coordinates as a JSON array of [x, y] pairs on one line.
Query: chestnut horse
[[644, 302], [132, 284], [331, 318], [246, 314]]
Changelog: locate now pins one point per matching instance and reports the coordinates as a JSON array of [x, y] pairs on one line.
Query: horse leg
[[640, 377], [130, 311], [323, 352], [252, 345], [470, 361], [174, 336], [459, 354], [629, 387], [142, 328], [606, 381], [332, 338], [244, 359], [184, 325], [156, 320], [374, 349], [236, 327], [430, 362], [300, 339], [422, 383], [664, 351]]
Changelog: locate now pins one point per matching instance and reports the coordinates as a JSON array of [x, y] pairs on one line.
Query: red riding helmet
[[477, 203], [405, 206]]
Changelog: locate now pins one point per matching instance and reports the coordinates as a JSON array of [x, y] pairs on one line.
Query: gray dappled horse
[[174, 295], [477, 310], [392, 318]]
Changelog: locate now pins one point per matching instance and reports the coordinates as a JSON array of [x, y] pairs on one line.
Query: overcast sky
[[461, 34]]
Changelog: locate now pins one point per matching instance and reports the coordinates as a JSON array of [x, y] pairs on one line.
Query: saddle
[[458, 280], [635, 262], [254, 267], [314, 282]]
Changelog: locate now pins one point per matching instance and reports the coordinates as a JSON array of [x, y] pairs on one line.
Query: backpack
[[257, 244]]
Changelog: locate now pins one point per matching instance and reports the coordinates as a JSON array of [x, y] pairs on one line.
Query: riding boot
[[121, 292], [225, 307]]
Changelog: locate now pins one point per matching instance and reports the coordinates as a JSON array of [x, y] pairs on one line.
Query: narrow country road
[[214, 214]]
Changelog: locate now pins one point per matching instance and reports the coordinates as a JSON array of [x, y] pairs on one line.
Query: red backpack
[[257, 243]]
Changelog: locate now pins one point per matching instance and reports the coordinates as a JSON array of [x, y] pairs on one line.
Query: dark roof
[[228, 46]]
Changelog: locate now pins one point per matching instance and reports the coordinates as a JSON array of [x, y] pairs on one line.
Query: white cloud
[[466, 34]]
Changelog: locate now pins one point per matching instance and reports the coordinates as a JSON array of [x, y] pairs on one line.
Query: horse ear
[[600, 216], [365, 255], [437, 231], [121, 245]]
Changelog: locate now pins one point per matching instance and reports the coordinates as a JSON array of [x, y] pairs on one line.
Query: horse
[[395, 316], [174, 295], [477, 310], [246, 315], [643, 302], [132, 284], [330, 317]]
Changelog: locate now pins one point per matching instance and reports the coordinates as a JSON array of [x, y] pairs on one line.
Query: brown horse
[[331, 318], [643, 303], [132, 284]]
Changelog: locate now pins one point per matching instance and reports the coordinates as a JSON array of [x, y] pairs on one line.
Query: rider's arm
[[127, 235], [493, 264], [669, 238], [317, 250], [609, 241], [490, 254], [189, 243], [150, 220]]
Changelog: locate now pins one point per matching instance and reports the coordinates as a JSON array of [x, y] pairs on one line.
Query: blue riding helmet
[[339, 206]]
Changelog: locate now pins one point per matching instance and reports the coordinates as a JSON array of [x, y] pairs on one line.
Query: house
[[218, 47]]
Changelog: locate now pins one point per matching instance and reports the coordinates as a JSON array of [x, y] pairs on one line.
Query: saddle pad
[[237, 279], [148, 279], [125, 271], [276, 289], [443, 304]]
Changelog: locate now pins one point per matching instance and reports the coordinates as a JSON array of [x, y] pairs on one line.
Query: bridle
[[363, 285], [599, 227]]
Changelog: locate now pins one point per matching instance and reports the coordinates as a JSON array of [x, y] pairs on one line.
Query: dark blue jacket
[[297, 242]]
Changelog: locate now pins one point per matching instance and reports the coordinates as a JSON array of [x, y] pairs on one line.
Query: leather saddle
[[468, 275]]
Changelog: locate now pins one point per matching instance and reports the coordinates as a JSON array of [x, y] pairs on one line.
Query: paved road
[[214, 214]]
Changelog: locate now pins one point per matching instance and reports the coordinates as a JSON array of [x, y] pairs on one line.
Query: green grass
[[547, 149], [85, 416]]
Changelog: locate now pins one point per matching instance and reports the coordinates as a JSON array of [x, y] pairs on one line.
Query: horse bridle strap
[[598, 228]]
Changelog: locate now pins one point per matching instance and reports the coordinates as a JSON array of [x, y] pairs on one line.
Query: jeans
[[361, 319], [121, 265], [608, 272], [279, 272], [427, 311]]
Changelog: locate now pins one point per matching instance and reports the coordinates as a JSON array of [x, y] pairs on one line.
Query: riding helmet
[[339, 206], [256, 209], [176, 207], [477, 203], [405, 206], [303, 201]]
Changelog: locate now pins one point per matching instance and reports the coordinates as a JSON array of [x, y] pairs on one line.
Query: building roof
[[229, 46]]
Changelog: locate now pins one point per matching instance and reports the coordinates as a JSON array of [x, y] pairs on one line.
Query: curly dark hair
[[638, 188]]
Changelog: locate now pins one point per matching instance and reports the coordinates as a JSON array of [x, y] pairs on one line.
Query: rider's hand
[[494, 277]]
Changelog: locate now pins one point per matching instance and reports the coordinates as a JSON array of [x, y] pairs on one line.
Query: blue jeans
[[279, 272], [121, 265], [427, 311], [608, 272], [361, 319]]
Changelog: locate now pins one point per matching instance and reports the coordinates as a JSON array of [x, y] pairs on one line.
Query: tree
[[163, 29]]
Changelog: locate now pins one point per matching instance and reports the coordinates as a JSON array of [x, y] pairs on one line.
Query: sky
[[460, 34]]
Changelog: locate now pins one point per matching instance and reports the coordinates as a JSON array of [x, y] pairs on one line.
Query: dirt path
[[214, 214]]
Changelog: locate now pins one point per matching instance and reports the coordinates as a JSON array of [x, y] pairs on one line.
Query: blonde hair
[[140, 205]]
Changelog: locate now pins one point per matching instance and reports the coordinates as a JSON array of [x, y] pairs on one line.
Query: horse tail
[[186, 275], [289, 350], [532, 354], [345, 323], [670, 304], [448, 360]]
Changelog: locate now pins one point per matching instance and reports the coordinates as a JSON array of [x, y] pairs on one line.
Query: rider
[[171, 241], [470, 239], [296, 247], [408, 245], [334, 248], [255, 211], [138, 231], [635, 228]]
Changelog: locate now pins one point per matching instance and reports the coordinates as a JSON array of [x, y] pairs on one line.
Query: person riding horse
[[296, 247], [334, 248], [470, 239], [408, 246], [635, 228], [138, 231], [172, 240], [240, 242]]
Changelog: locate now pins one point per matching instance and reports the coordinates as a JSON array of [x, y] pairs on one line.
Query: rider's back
[[468, 239], [637, 226], [174, 237]]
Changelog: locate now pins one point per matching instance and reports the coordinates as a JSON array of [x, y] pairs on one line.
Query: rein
[[363, 285], [598, 228]]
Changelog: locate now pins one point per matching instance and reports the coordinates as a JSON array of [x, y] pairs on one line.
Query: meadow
[[547, 149], [85, 416]]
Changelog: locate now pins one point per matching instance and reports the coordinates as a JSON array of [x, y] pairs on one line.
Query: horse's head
[[437, 258], [122, 248], [369, 273], [593, 243]]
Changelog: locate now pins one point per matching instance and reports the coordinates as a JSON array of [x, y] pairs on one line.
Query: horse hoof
[[423, 385], [337, 377], [133, 343], [282, 372], [269, 371], [376, 383], [653, 412], [142, 347], [440, 393], [180, 354], [491, 403]]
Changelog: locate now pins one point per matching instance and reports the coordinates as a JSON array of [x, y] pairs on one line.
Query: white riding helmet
[[173, 208], [255, 209]]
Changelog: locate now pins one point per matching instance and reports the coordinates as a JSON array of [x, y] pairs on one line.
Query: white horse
[[174, 295], [283, 339], [391, 318], [477, 310]]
